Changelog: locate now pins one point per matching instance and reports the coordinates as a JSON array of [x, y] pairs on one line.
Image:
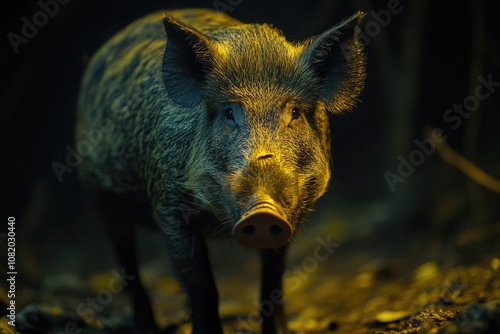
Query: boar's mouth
[[263, 225]]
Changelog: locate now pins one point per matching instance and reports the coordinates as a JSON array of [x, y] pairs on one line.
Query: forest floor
[[363, 286]]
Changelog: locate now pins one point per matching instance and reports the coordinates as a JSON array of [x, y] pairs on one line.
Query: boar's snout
[[263, 225]]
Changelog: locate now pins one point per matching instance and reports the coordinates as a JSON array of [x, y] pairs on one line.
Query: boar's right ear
[[337, 57], [186, 55]]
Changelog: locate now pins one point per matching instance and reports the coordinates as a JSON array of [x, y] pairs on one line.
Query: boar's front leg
[[272, 309], [188, 252]]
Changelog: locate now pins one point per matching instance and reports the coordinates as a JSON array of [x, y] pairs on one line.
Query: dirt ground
[[397, 285]]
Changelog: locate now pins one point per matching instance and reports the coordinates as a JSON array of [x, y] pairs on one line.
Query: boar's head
[[261, 156]]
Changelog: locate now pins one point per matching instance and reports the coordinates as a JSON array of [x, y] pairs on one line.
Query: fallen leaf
[[391, 316]]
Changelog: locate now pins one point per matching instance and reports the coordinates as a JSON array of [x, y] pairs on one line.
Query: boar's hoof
[[263, 226]]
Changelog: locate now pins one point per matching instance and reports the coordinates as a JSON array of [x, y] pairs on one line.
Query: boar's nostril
[[275, 229], [265, 156], [248, 230]]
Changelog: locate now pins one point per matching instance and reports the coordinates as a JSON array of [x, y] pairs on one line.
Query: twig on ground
[[458, 161]]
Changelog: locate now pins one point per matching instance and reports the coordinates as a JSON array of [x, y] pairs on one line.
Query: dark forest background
[[424, 60]]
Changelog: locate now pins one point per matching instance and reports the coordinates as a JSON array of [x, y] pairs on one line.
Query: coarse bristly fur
[[209, 113]]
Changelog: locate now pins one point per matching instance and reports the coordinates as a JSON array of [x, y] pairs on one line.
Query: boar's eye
[[295, 113], [229, 114], [233, 114]]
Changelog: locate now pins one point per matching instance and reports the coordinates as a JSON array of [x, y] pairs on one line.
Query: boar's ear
[[186, 55], [337, 57]]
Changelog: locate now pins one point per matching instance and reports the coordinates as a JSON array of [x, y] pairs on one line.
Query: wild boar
[[226, 118]]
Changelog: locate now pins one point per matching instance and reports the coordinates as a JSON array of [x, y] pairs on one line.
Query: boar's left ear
[[337, 57], [187, 55]]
